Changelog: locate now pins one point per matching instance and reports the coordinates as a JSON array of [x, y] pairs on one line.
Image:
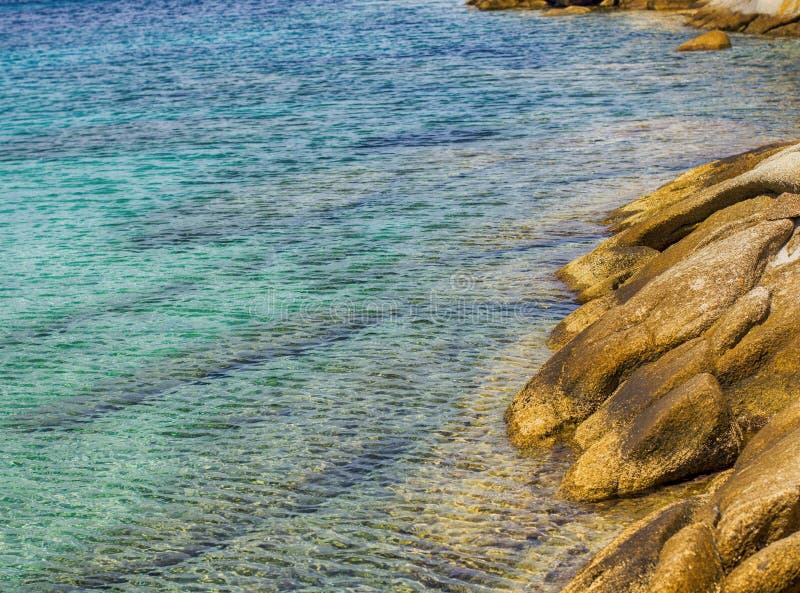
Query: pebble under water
[[272, 270]]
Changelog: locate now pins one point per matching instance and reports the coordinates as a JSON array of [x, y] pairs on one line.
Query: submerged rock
[[713, 40], [686, 350], [508, 4]]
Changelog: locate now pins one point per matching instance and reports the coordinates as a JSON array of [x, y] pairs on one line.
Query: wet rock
[[685, 433], [631, 559], [687, 347], [711, 41]]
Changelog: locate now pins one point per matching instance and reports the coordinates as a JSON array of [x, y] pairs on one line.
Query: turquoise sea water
[[271, 271]]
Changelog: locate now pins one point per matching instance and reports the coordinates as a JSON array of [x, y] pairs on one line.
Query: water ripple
[[272, 271]]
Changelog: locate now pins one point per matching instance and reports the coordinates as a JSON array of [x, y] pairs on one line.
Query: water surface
[[271, 271]]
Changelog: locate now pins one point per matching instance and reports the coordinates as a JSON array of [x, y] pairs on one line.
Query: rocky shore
[[761, 17], [683, 362]]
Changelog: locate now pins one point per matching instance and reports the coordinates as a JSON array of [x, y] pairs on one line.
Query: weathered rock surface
[[508, 4], [711, 41], [687, 432], [631, 560], [684, 361], [742, 538], [673, 307]]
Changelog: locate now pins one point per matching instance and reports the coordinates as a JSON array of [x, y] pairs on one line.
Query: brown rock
[[614, 262], [579, 320], [645, 385], [746, 527], [715, 17], [760, 504], [759, 374], [688, 562], [719, 225], [749, 310], [764, 23], [687, 432], [496, 4], [774, 175], [775, 569], [670, 5], [626, 564], [690, 182], [681, 362], [713, 40], [790, 30], [568, 11], [779, 426], [676, 306]]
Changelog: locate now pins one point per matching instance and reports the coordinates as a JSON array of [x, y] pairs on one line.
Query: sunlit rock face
[[682, 364]]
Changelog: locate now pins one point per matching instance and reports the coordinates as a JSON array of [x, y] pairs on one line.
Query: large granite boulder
[[687, 432], [683, 362]]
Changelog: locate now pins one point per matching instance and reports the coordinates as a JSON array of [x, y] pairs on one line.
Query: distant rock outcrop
[[684, 361], [762, 17]]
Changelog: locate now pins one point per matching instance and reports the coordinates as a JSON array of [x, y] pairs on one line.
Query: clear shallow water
[[271, 271]]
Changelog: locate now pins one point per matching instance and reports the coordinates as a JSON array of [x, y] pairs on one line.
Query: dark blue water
[[271, 272]]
